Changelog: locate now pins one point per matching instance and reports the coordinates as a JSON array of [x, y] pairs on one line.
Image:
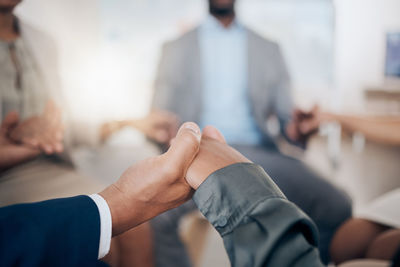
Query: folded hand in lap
[[44, 131]]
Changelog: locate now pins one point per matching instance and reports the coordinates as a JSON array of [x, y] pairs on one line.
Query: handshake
[[158, 184]]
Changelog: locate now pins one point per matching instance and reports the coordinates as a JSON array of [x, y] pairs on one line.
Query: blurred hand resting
[[44, 132]]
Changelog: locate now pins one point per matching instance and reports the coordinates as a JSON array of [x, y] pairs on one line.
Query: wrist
[[137, 124], [327, 117], [292, 131], [124, 211], [116, 205]]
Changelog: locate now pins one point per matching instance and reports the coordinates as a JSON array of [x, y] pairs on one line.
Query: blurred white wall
[[74, 26], [108, 59], [109, 49], [305, 32], [132, 33], [361, 27]]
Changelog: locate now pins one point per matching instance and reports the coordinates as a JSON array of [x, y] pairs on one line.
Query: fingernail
[[194, 128], [34, 142], [59, 148]]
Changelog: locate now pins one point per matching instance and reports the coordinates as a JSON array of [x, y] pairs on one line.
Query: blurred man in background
[[223, 74]]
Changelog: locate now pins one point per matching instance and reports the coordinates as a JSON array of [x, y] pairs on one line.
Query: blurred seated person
[[376, 233], [34, 144], [35, 141], [36, 164], [224, 74]]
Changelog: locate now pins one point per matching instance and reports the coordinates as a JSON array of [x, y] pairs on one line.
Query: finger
[[58, 147], [55, 144], [172, 141], [46, 148], [58, 131], [315, 109], [9, 122], [30, 142], [308, 126], [56, 118], [46, 143], [185, 146], [52, 114], [165, 115], [48, 136], [161, 136], [214, 133], [173, 128], [59, 136], [297, 114], [49, 109]]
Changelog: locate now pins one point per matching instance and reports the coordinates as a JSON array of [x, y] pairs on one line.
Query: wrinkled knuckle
[[191, 141]]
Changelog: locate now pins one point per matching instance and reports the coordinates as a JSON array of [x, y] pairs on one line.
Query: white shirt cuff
[[105, 225]]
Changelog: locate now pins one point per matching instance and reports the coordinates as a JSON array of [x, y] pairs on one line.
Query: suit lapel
[[195, 80], [252, 66], [256, 76]]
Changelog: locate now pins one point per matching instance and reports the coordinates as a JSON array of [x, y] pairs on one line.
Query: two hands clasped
[[169, 180], [164, 182], [24, 140], [41, 133]]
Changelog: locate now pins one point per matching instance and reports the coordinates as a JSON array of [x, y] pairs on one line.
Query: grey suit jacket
[[259, 226], [178, 85]]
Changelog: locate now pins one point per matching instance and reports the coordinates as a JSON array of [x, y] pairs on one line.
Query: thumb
[[214, 133], [315, 108], [10, 121], [185, 146]]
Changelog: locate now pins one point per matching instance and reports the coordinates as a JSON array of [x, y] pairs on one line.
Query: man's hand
[[44, 132], [214, 154], [7, 125], [303, 125], [11, 153], [160, 126], [154, 185]]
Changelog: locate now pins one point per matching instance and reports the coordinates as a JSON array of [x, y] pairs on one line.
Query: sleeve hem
[[105, 225]]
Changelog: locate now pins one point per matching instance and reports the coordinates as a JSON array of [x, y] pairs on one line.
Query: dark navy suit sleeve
[[60, 232]]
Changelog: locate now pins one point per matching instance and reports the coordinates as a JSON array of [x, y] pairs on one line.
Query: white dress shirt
[[105, 224], [226, 102]]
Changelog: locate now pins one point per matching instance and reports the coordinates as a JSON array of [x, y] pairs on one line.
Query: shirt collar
[[211, 24]]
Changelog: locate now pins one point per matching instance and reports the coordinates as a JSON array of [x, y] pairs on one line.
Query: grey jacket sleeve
[[259, 226], [282, 101]]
